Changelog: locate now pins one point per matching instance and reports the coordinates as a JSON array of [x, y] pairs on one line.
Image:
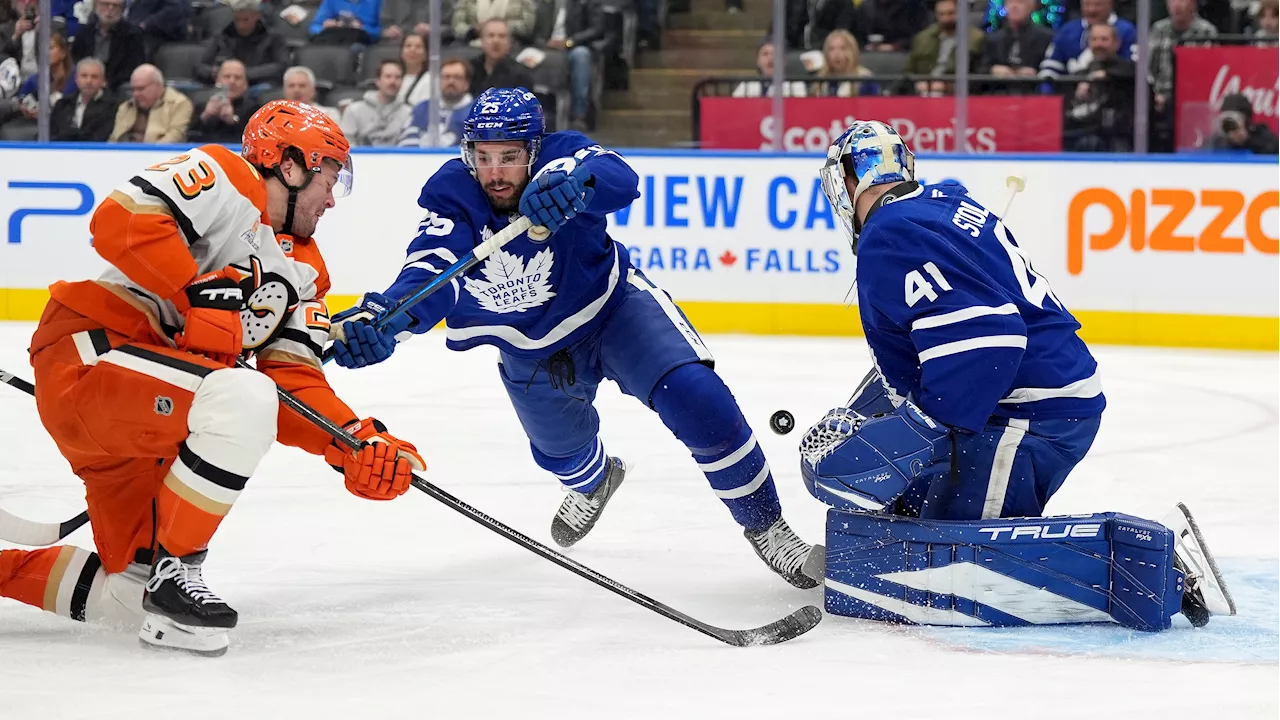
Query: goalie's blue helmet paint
[[871, 153]]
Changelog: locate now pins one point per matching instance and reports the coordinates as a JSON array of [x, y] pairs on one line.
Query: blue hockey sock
[[697, 407], [581, 471]]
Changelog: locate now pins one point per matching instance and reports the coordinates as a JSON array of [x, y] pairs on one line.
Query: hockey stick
[[465, 263], [28, 532], [789, 627], [1016, 184]]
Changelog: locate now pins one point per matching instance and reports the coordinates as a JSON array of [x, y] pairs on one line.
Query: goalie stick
[[21, 531], [787, 628], [465, 263]]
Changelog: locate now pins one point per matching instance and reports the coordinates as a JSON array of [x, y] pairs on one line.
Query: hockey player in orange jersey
[[136, 379]]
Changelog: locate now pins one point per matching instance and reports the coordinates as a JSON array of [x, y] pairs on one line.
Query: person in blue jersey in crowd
[[981, 398], [567, 313]]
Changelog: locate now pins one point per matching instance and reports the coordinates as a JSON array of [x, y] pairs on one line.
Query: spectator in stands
[[300, 85], [1182, 25], [417, 81], [571, 26], [765, 56], [1016, 49], [808, 22], [933, 50], [1237, 132], [412, 17], [1267, 21], [89, 114], [470, 16], [495, 67], [226, 112], [1100, 115], [347, 22], [18, 27], [380, 115], [118, 43], [1069, 54], [62, 78], [455, 79], [153, 113], [841, 59], [264, 53], [889, 25], [10, 71], [160, 21]]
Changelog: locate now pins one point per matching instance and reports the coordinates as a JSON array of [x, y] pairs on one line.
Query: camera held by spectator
[[1235, 131]]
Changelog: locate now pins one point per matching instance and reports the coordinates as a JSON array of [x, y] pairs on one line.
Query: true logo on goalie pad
[[1044, 532]]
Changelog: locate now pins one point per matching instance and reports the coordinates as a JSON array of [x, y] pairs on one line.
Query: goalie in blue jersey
[[566, 313], [980, 402]]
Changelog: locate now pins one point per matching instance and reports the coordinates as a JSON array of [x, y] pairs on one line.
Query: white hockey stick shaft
[[1016, 184]]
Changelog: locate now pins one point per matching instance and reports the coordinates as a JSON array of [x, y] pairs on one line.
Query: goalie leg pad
[[1106, 567]]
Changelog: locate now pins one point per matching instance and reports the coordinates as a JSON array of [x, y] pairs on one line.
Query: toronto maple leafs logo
[[512, 286]]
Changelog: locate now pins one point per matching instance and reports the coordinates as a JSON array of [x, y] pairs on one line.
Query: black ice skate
[[579, 512], [183, 613], [798, 562], [1205, 592]]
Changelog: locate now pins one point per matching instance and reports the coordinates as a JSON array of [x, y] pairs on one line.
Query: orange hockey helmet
[[287, 128]]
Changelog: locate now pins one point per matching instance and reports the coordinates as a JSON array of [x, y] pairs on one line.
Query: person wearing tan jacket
[[154, 113]]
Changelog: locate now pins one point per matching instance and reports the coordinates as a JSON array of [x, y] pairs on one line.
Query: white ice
[[356, 609]]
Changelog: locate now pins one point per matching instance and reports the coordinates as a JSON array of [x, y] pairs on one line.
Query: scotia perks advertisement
[[1121, 236], [1004, 124], [1208, 74]]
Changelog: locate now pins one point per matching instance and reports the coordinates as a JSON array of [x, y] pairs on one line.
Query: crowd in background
[[174, 70], [1025, 47]]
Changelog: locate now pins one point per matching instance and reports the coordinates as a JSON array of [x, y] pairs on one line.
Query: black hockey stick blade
[[789, 627], [778, 631]]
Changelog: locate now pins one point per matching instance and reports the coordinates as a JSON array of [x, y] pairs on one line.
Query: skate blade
[[1217, 598], [161, 633], [815, 565]]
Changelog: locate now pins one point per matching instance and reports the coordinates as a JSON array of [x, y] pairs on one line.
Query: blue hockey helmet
[[871, 153], [503, 114]]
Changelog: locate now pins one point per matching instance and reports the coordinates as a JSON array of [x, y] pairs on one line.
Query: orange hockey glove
[[211, 306], [382, 469]]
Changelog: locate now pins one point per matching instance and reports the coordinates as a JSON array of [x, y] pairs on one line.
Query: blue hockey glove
[[854, 462], [357, 342], [555, 197]]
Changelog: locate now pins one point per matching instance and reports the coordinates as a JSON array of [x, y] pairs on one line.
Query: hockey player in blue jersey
[[980, 402], [567, 313]]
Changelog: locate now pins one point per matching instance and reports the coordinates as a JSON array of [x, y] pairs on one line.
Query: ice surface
[[356, 609]]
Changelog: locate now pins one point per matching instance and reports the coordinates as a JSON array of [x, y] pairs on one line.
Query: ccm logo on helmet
[[1044, 532]]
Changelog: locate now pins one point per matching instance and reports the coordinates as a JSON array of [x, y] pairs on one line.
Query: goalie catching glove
[[210, 307], [382, 468]]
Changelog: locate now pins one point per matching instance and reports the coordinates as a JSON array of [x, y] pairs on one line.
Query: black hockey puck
[[782, 422]]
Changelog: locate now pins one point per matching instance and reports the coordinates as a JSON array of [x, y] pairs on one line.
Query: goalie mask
[[869, 153]]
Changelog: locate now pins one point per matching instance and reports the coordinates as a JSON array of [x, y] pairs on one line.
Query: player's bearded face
[[503, 172], [314, 200]]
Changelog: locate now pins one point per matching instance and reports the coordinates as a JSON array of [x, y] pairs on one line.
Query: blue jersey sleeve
[[616, 184], [969, 338], [1128, 33], [446, 234], [1060, 51]]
